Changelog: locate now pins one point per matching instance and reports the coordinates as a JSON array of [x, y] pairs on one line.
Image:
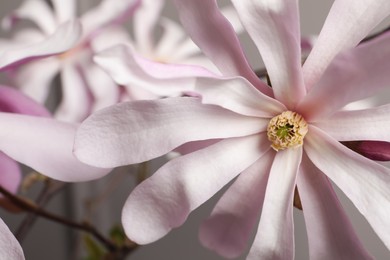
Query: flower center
[[287, 130]]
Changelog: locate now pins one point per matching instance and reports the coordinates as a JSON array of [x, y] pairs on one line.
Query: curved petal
[[109, 37], [126, 67], [274, 27], [353, 75], [35, 78], [75, 104], [367, 124], [211, 31], [10, 247], [275, 234], [330, 233], [232, 16], [365, 182], [35, 10], [348, 22], [133, 132], [230, 226], [45, 145], [238, 95], [13, 101], [10, 174], [164, 201], [65, 10], [63, 39]]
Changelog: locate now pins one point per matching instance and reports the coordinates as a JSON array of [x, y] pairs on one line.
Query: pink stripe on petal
[[330, 233], [230, 226], [165, 200], [133, 132], [10, 247], [365, 182], [275, 234]]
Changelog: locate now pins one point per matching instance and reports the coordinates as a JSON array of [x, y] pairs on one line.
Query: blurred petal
[[37, 11], [13, 101], [212, 32], [10, 174], [138, 131], [109, 37], [275, 234], [330, 233], [66, 36], [353, 75], [164, 201], [348, 22], [45, 145], [231, 15], [65, 10], [75, 104], [274, 27], [238, 95], [367, 124], [35, 84], [230, 226], [365, 182], [10, 247]]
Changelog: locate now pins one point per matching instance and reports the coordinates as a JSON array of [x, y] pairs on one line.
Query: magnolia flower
[[274, 139], [85, 87]]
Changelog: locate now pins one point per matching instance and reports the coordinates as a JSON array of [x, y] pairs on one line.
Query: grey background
[[48, 240]]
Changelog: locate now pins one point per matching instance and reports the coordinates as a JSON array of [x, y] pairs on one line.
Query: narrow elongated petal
[[165, 200], [36, 11], [63, 39], [211, 31], [65, 10], [45, 145], [10, 247], [330, 233], [274, 27], [367, 124], [35, 84], [75, 104], [132, 132], [13, 101], [10, 174], [275, 234], [353, 75], [238, 95], [348, 22], [126, 67], [229, 228], [365, 182]]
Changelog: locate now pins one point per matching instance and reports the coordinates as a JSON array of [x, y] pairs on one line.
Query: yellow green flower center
[[287, 130]]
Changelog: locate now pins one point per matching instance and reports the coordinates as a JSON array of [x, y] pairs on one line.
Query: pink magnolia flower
[[273, 139], [85, 87]]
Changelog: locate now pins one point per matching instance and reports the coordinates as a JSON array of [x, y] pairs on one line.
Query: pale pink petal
[[65, 10], [330, 233], [348, 22], [13, 101], [109, 37], [126, 67], [212, 32], [365, 182], [10, 174], [367, 124], [45, 145], [238, 95], [108, 12], [31, 81], [75, 103], [230, 226], [10, 247], [37, 11], [164, 201], [133, 132], [194, 146], [274, 27], [275, 234], [231, 15], [64, 38], [353, 75], [145, 24]]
